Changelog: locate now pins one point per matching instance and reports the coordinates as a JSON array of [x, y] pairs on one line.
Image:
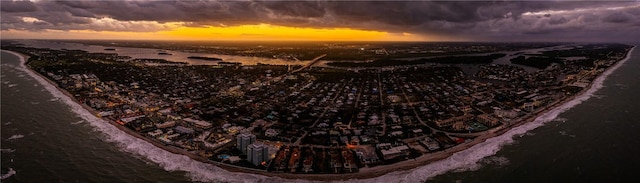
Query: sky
[[500, 21]]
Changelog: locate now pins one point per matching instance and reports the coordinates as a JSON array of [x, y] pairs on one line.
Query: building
[[530, 106], [243, 141], [183, 130], [453, 120], [389, 152], [488, 120], [466, 109], [271, 132], [506, 113], [167, 124], [198, 123], [257, 153]]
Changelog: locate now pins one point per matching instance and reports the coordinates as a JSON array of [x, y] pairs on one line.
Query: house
[[198, 123]]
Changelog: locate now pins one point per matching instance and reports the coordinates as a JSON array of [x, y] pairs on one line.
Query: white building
[[243, 141], [257, 153]]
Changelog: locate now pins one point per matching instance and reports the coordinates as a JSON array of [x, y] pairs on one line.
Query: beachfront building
[[506, 113], [243, 141], [390, 151], [529, 106], [488, 120], [257, 153], [454, 120]]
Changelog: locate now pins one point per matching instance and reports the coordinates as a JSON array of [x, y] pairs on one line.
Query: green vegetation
[[537, 62], [443, 60], [591, 52]]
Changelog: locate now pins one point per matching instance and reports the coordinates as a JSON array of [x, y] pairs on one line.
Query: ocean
[[46, 137]]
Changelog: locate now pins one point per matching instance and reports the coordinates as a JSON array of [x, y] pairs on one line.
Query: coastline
[[365, 172]]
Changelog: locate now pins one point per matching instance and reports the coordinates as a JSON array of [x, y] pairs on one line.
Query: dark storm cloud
[[17, 6], [557, 20], [472, 20], [305, 9], [618, 17]]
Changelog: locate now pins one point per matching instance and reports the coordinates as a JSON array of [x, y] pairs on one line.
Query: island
[[229, 63], [483, 59], [204, 58], [303, 122]]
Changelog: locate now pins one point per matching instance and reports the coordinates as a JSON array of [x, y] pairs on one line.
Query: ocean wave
[[467, 159], [9, 150], [13, 137], [77, 122], [621, 86], [560, 119], [10, 173], [562, 132], [196, 170], [529, 134], [496, 160]]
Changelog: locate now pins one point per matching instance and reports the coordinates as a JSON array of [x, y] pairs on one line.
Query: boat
[[110, 49], [164, 53]]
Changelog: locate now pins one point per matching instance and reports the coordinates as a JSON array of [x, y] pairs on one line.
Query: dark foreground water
[[46, 138], [595, 141], [43, 140]]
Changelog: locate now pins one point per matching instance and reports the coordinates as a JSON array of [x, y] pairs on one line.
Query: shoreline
[[364, 173]]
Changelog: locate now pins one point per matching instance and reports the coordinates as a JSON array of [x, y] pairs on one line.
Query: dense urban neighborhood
[[307, 119]]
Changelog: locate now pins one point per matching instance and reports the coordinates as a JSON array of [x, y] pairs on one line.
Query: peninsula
[[350, 120]]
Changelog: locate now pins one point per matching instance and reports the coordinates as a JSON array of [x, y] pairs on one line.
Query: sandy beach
[[364, 173]]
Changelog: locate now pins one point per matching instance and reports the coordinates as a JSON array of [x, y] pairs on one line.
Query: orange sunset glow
[[273, 32], [210, 20], [260, 32]]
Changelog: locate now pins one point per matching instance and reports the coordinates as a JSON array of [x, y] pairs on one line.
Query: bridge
[[313, 62]]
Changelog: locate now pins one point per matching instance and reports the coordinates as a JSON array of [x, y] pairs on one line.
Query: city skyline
[[573, 21]]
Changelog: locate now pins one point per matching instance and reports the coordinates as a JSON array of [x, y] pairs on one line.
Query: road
[[313, 62]]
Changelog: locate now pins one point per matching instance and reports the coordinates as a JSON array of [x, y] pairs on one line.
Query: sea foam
[[197, 171], [467, 159], [8, 150], [13, 137], [10, 173]]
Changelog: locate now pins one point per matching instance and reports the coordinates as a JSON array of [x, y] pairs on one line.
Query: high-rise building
[[243, 140], [257, 153]]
